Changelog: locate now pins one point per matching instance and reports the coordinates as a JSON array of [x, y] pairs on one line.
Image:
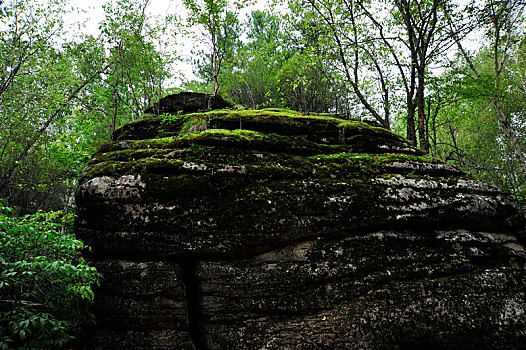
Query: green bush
[[45, 285]]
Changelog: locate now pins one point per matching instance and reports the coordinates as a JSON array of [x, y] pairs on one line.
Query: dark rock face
[[187, 102], [273, 230]]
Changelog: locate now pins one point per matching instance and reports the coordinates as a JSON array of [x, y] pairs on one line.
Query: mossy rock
[[356, 135], [279, 230], [267, 166]]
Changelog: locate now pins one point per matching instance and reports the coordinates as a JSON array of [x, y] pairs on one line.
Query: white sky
[[91, 14]]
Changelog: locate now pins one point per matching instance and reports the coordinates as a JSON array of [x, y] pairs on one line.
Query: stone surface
[[274, 230], [140, 304], [187, 102], [384, 289]]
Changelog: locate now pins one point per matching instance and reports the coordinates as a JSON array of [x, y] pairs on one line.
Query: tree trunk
[[422, 132], [411, 131], [503, 118], [215, 53]]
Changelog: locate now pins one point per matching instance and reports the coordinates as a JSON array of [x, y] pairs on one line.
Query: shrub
[[45, 285]]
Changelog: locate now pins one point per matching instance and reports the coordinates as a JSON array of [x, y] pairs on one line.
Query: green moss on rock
[[193, 125], [319, 129]]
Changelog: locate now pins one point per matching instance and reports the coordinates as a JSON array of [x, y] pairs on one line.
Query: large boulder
[[271, 229]]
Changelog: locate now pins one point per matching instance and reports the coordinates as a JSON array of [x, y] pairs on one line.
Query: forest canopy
[[449, 76]]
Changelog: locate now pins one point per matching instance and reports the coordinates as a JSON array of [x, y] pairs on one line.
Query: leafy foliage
[[271, 67], [45, 285], [468, 132], [36, 84], [480, 124], [62, 96], [219, 20]]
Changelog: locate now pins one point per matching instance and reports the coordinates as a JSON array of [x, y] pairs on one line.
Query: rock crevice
[[194, 310]]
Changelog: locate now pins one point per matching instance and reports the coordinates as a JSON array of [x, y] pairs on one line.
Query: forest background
[[413, 66], [448, 75]]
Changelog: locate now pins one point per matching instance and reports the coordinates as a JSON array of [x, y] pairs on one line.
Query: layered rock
[[187, 102], [274, 230]]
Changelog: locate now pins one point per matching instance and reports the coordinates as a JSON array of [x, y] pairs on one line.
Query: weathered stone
[[140, 304], [187, 102], [275, 230], [419, 289]]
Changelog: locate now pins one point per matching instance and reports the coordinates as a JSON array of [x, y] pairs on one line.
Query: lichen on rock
[[270, 229]]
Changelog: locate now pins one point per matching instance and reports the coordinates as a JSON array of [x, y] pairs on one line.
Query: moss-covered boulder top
[[262, 177], [270, 229], [268, 129]]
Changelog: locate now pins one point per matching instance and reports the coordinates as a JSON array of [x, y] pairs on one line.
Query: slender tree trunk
[[432, 117], [422, 132], [115, 101], [411, 130], [412, 43], [411, 106], [503, 118], [215, 54]]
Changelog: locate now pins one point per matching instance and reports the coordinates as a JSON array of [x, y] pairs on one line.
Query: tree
[[250, 73], [138, 69], [61, 97], [379, 58], [505, 18], [37, 89], [485, 118], [335, 25], [493, 83], [219, 20], [425, 40], [275, 68]]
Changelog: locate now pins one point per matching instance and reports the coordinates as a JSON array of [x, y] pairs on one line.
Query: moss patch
[[256, 155], [263, 145], [193, 125], [325, 130]]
